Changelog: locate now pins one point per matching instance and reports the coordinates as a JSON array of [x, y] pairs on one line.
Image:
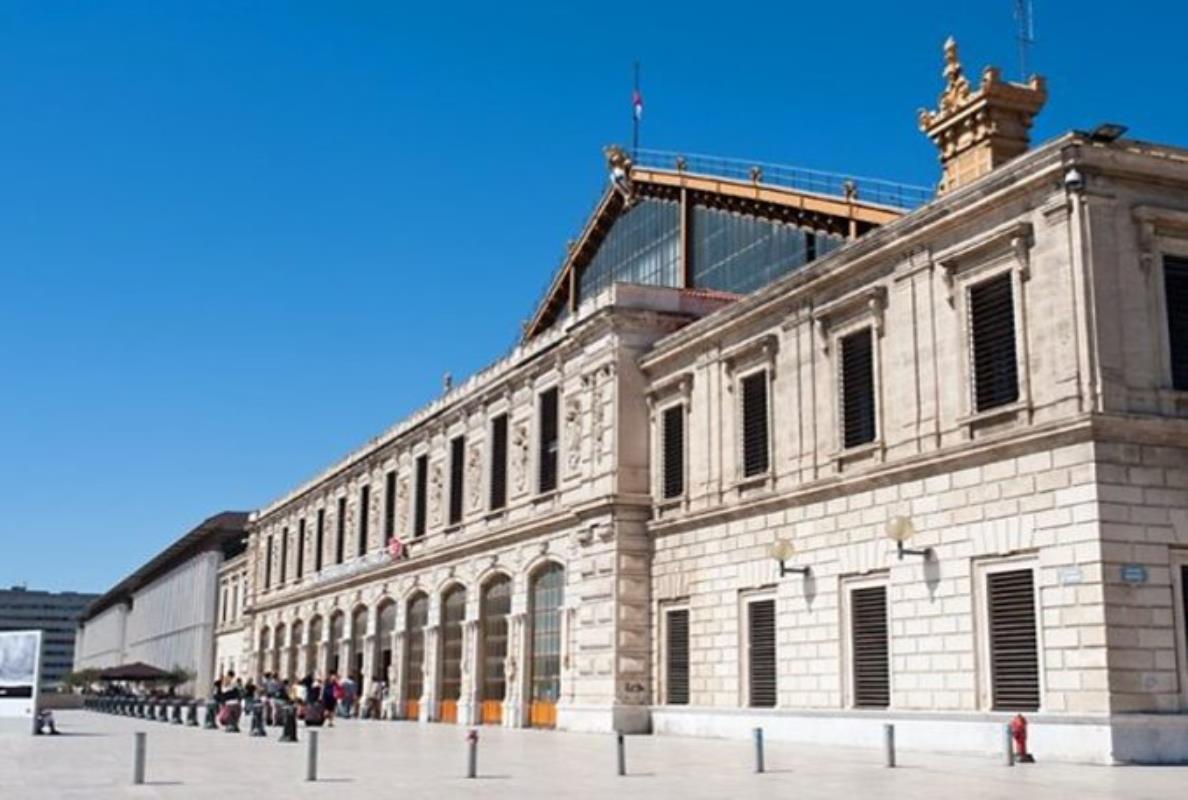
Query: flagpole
[[635, 117]]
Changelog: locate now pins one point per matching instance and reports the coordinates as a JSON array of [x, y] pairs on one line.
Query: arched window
[[337, 624], [453, 611], [546, 597], [416, 618], [262, 654], [358, 637], [278, 644], [495, 606], [386, 628], [315, 641], [294, 650]]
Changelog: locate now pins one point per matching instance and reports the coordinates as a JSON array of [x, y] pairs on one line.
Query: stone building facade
[[933, 470]]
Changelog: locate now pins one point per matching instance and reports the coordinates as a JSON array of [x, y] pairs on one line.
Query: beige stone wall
[[1037, 508]]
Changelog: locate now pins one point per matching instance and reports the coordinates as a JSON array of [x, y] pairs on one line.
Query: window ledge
[[971, 421], [452, 528], [545, 497], [752, 482], [497, 514], [840, 457]]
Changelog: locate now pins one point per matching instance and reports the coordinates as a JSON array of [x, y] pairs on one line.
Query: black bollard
[[192, 713], [311, 757], [138, 758], [212, 710], [258, 721], [176, 719], [889, 744], [472, 755], [759, 750], [289, 729], [622, 755]]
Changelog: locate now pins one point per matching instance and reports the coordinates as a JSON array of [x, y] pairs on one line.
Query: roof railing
[[868, 190]]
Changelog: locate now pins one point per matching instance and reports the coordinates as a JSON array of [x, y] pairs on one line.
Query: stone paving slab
[[410, 761]]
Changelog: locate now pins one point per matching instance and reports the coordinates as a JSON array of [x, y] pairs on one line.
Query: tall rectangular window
[[498, 488], [1014, 654], [870, 653], [284, 555], [268, 563], [419, 506], [676, 667], [389, 506], [320, 541], [756, 459], [857, 385], [300, 547], [761, 654], [547, 478], [340, 532], [992, 335], [673, 448], [1175, 292], [364, 519], [457, 456]]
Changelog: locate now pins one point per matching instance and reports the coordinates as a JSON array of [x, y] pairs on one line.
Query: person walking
[[331, 694]]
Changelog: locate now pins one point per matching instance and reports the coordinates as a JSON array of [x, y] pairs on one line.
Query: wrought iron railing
[[870, 190]]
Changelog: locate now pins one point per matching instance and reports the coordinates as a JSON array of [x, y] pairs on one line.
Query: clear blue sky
[[238, 239]]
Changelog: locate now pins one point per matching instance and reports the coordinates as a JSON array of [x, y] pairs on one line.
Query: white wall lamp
[[900, 530], [782, 550]]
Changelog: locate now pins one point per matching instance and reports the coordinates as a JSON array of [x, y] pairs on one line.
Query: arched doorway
[[262, 653], [416, 618], [337, 625], [495, 605], [294, 664], [386, 628], [278, 645], [453, 612], [545, 597], [358, 637], [315, 641]]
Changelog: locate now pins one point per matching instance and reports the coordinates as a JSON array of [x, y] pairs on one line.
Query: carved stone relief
[[573, 432], [474, 476], [436, 491], [520, 457]]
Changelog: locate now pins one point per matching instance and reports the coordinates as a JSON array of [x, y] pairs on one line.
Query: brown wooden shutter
[[548, 441], [761, 653], [389, 506], [284, 555], [674, 451], [340, 532], [457, 453], [320, 541], [677, 658], [869, 643], [992, 323], [300, 547], [419, 506], [364, 520], [857, 379], [1014, 656], [498, 496], [754, 409], [1175, 290]]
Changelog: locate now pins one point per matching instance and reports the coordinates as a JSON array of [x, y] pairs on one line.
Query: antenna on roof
[[1025, 35]]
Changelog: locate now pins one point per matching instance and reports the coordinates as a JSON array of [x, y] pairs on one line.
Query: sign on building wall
[[20, 671]]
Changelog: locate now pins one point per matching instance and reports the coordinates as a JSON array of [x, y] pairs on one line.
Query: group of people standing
[[317, 701]]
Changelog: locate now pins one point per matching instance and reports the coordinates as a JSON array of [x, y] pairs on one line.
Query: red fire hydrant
[[1019, 732]]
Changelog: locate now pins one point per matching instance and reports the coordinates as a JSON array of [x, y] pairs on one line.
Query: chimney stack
[[977, 131]]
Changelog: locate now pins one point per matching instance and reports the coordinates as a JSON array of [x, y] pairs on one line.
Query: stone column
[[429, 697], [515, 671], [471, 675], [397, 678]]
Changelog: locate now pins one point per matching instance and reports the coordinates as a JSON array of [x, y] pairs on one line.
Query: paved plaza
[[406, 760]]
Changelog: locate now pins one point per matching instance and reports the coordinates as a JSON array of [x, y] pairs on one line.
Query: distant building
[[163, 614], [54, 613]]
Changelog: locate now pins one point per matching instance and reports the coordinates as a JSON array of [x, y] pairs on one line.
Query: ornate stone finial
[[977, 131]]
